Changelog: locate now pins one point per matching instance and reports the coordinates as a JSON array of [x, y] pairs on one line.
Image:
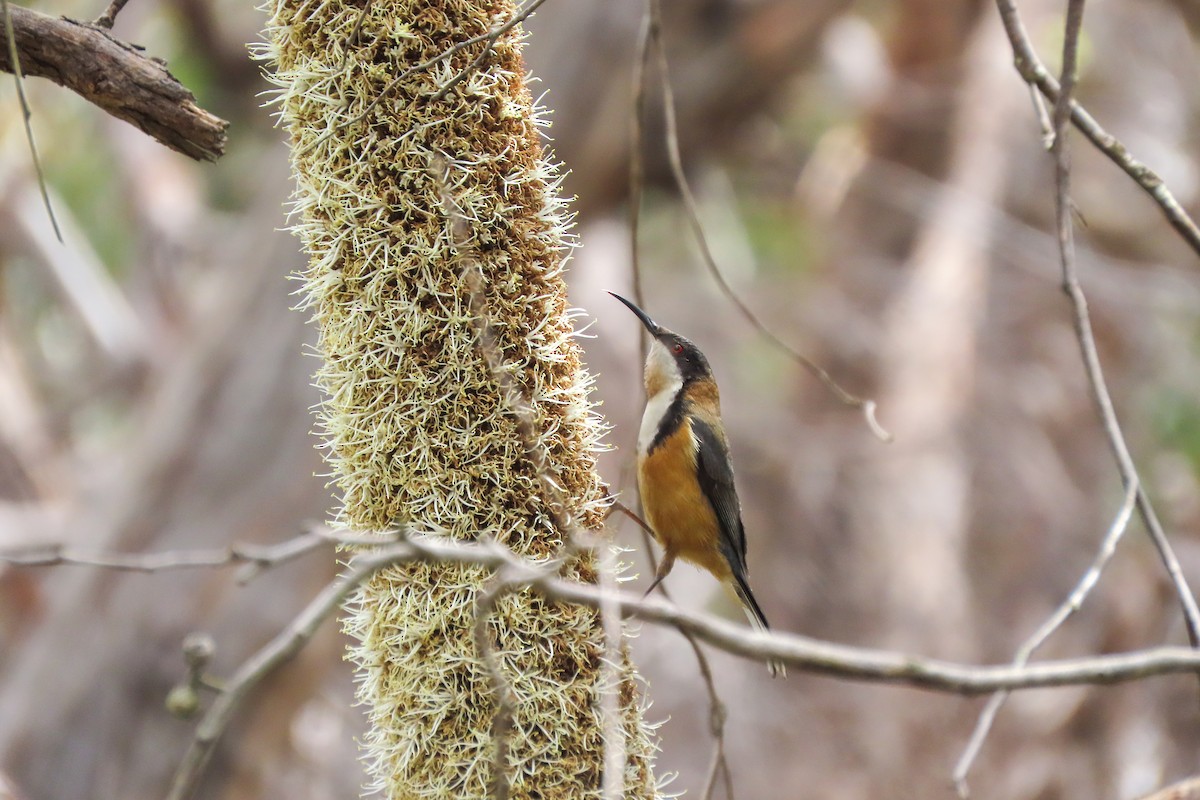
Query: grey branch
[[800, 652], [813, 655], [254, 556], [674, 156], [1034, 72], [1064, 109]]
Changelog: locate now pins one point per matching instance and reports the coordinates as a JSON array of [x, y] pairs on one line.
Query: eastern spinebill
[[684, 473]]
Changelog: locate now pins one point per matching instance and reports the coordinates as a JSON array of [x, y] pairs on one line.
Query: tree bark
[[116, 76]]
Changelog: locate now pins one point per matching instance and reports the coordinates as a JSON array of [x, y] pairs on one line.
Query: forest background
[[873, 181]]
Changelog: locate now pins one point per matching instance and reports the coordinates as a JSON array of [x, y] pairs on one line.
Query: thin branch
[[1035, 73], [717, 712], [519, 408], [693, 214], [489, 348], [353, 37], [255, 556], [270, 657], [1063, 109], [109, 16], [1071, 605], [637, 171], [799, 652], [804, 653], [14, 60], [877, 666], [115, 76], [613, 777], [490, 37], [1045, 124], [506, 702]]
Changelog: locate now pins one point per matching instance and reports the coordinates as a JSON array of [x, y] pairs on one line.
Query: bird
[[684, 472]]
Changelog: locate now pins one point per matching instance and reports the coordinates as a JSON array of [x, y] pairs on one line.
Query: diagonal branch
[[12, 52], [1034, 72], [717, 712], [1063, 110], [117, 77], [866, 406], [1071, 605]]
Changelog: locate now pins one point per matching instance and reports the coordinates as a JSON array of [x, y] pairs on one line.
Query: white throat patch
[[664, 377]]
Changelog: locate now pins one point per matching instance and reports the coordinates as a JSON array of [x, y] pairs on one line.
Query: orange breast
[[675, 507]]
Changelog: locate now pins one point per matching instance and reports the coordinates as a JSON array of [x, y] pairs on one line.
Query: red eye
[[677, 349]]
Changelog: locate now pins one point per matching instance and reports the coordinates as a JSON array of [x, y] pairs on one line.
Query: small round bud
[[183, 701], [198, 649]]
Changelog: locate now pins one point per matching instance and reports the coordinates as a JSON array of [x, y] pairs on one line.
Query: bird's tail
[[758, 620]]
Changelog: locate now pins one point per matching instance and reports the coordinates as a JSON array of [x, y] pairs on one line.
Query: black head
[[687, 358]]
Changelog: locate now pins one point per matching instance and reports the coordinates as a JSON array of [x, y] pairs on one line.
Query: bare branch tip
[[881, 433]]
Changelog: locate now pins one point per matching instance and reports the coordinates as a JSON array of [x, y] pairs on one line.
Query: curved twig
[[693, 214]]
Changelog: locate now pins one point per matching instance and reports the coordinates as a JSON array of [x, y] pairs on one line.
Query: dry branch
[[117, 77], [1064, 110], [515, 573], [1034, 73], [675, 158]]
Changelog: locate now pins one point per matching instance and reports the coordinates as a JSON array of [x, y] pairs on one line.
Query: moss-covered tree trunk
[[416, 428]]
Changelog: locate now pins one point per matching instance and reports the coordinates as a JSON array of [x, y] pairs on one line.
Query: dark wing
[[716, 481]]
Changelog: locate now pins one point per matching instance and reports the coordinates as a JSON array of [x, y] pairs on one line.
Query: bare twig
[[717, 712], [1071, 605], [490, 37], [14, 62], [109, 16], [1035, 73], [353, 37], [256, 557], [801, 652], [485, 338], [506, 702], [804, 653], [1063, 110], [519, 407], [637, 172], [117, 77], [1045, 124], [271, 656], [693, 214], [641, 523], [613, 778]]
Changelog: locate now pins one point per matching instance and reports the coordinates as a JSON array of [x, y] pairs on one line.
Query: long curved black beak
[[652, 326]]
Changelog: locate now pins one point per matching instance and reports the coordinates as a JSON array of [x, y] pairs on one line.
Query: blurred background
[[873, 183]]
